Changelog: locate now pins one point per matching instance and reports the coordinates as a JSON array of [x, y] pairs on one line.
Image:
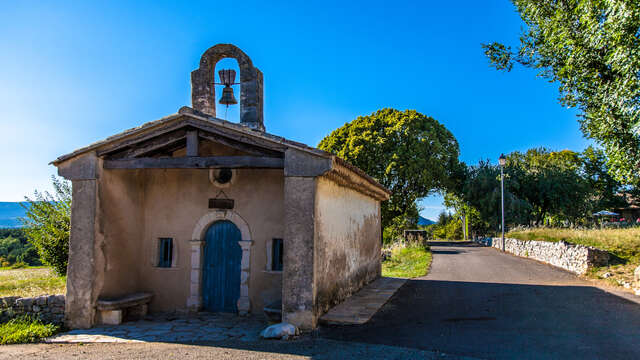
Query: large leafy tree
[[605, 192], [481, 191], [543, 187], [411, 154], [550, 182], [591, 48], [48, 222]]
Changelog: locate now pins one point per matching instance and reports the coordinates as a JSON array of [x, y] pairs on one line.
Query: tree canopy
[[411, 154], [591, 48], [541, 187]]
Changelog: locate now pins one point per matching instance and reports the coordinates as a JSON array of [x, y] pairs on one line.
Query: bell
[[227, 96]]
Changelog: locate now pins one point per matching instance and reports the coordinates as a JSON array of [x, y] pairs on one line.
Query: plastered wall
[[121, 227], [139, 207], [347, 254]]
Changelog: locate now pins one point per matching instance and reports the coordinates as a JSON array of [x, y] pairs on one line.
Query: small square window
[[165, 252], [276, 255]]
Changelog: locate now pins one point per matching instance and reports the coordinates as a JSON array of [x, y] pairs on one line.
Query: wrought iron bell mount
[[227, 78]]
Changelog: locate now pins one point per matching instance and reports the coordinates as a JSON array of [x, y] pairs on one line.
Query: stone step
[[361, 306]]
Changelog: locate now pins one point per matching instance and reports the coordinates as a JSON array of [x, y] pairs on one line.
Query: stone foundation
[[575, 258], [48, 308]]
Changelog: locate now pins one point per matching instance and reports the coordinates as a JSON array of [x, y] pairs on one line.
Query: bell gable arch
[[203, 96]]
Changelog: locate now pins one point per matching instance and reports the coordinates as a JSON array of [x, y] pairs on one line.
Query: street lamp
[[502, 160]]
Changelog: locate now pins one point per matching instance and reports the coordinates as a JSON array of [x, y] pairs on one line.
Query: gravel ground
[[305, 347]]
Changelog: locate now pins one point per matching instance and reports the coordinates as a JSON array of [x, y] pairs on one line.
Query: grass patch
[[33, 281], [407, 262], [25, 330]]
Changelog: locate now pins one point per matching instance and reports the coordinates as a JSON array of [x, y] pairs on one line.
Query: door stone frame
[[194, 302]]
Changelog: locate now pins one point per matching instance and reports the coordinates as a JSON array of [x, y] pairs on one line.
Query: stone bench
[[113, 311]]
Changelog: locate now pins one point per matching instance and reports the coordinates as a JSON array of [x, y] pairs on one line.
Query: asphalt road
[[479, 302]]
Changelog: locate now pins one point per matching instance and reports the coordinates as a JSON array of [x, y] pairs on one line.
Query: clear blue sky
[[72, 73]]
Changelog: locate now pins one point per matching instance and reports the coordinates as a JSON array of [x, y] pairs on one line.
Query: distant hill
[[9, 214], [425, 221], [11, 211]]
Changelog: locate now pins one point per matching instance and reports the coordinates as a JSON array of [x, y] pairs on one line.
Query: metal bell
[[227, 96]]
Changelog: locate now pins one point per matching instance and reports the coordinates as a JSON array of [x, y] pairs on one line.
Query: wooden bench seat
[[112, 311]]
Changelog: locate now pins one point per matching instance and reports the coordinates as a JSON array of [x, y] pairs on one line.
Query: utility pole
[[502, 160]]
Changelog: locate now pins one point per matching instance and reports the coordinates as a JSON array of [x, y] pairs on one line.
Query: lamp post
[[502, 160]]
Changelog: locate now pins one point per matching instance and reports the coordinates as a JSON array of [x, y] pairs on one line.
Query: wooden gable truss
[[157, 150]]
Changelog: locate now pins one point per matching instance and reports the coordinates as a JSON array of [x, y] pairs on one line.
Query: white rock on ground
[[280, 331], [636, 276]]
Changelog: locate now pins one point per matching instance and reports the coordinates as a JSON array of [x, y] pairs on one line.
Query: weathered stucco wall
[[137, 207], [174, 201], [575, 258], [120, 225], [348, 238]]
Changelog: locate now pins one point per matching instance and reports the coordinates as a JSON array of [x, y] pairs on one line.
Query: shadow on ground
[[496, 320], [447, 252], [207, 335]]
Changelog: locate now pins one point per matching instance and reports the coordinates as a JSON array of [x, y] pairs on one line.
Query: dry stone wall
[[575, 258], [48, 308]]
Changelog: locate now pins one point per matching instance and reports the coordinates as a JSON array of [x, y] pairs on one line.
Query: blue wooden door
[[221, 271]]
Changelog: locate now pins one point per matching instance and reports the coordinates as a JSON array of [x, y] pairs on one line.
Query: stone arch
[[203, 97], [209, 218], [194, 302]]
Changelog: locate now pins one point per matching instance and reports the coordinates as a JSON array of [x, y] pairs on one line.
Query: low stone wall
[[575, 258], [48, 308]]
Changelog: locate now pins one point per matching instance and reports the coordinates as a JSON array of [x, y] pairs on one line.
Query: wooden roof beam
[[197, 162]]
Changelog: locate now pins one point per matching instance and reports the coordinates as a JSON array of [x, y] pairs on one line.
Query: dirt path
[[305, 348], [479, 302]]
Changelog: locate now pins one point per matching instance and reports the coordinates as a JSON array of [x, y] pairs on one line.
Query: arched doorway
[[221, 270]]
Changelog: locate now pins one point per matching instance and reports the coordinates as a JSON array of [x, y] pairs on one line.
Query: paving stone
[[210, 327]]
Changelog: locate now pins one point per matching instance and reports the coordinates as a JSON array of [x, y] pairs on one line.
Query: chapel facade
[[211, 215]]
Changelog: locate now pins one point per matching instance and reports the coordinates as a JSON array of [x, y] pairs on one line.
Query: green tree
[[411, 154], [550, 182], [448, 227], [47, 224], [14, 250], [481, 191], [542, 187], [605, 190], [476, 224], [591, 48]]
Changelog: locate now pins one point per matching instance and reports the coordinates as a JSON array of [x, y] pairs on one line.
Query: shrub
[[25, 330], [407, 262], [47, 225], [19, 265]]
